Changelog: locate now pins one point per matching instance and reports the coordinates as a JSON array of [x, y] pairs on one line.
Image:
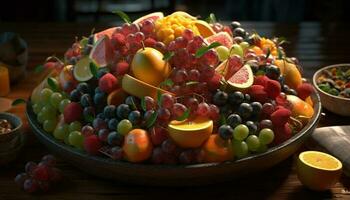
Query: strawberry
[[258, 93], [304, 90], [72, 112], [92, 144], [261, 80], [282, 133], [280, 116], [108, 83], [273, 88]]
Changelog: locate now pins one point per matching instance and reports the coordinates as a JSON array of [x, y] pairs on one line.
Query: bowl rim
[[318, 72], [313, 122], [17, 127]]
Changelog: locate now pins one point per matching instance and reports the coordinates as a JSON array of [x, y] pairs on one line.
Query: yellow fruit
[[116, 97], [300, 107], [204, 28], [190, 133], [317, 170], [139, 88], [137, 146], [292, 75], [148, 66], [81, 70], [183, 14]]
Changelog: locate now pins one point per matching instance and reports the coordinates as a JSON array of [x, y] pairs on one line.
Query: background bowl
[[174, 175], [335, 104]]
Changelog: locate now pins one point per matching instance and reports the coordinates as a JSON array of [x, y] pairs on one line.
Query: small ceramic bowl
[[16, 123], [335, 104]]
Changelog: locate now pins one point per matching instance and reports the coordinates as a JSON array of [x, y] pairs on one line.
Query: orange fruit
[[291, 73], [317, 170], [116, 97], [300, 107], [190, 133], [139, 88], [217, 150], [204, 28], [309, 101], [148, 66], [137, 146], [257, 50]]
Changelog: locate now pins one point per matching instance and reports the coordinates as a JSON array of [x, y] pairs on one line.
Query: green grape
[[236, 49], [240, 148], [253, 142], [49, 125], [76, 139], [223, 52], [55, 99], [262, 148], [45, 95], [37, 108], [63, 104], [61, 132], [74, 126], [41, 117], [240, 132], [244, 45], [49, 111], [266, 136], [124, 127]]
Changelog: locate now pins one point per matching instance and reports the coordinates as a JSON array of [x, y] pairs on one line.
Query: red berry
[[92, 144], [280, 116], [158, 135], [121, 68], [72, 112], [41, 173], [118, 40], [108, 83], [282, 133], [258, 93], [273, 88], [261, 80], [304, 90]]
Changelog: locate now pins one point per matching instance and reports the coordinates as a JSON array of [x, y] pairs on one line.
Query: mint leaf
[[167, 82], [211, 19], [201, 51], [52, 83], [222, 120], [159, 97], [18, 101], [122, 15], [93, 69], [168, 55], [143, 104], [184, 116], [151, 120]]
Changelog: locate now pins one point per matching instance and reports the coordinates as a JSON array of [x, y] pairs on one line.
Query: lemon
[[190, 133], [317, 170], [81, 70]]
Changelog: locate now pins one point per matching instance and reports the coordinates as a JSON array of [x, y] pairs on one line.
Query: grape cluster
[[39, 176]]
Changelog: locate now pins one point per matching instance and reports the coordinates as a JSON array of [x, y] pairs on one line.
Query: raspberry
[[118, 40], [273, 88], [282, 133], [108, 83], [120, 68], [72, 112], [261, 80], [92, 144], [304, 90], [258, 93], [280, 116]]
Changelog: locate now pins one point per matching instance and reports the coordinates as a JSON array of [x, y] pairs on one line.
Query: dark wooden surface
[[316, 45]]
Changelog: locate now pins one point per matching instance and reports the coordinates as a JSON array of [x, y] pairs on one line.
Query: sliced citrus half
[[204, 28], [81, 70], [317, 170], [242, 79], [190, 133], [139, 88], [222, 37], [153, 16], [116, 97], [108, 32], [102, 52]]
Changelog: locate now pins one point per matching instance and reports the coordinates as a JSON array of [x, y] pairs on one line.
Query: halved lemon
[[81, 70], [190, 133], [204, 28], [317, 170]]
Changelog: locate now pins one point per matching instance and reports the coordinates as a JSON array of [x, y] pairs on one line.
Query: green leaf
[[18, 101], [282, 40], [168, 55], [211, 19], [52, 83], [83, 42], [123, 15], [201, 51], [143, 104], [268, 53], [192, 82], [184, 116], [222, 120], [280, 53], [89, 118], [133, 105], [159, 97], [167, 82], [39, 69], [93, 69], [151, 120]]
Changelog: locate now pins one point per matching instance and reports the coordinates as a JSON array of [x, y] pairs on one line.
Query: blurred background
[[226, 10]]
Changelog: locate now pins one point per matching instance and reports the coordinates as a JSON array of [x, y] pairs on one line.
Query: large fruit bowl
[[174, 100], [174, 175]]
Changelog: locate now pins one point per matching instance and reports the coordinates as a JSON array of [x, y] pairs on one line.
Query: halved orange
[[204, 28]]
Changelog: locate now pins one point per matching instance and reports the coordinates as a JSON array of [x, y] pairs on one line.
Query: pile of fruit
[[335, 81], [173, 89]]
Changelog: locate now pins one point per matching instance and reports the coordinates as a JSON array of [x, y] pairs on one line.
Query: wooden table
[[316, 45]]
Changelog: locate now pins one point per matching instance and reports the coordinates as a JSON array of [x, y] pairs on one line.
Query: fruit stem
[[143, 45]]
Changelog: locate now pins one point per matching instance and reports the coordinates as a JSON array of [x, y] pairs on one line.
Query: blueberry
[[97, 90], [236, 97], [75, 95], [135, 117], [272, 71], [100, 99], [101, 71], [247, 98], [99, 124], [239, 32], [109, 111], [225, 110], [220, 98], [225, 132], [83, 88], [245, 110], [266, 123], [100, 115], [115, 139], [113, 124], [86, 100], [123, 111], [235, 25], [148, 114], [252, 127], [91, 39], [256, 107], [233, 120]]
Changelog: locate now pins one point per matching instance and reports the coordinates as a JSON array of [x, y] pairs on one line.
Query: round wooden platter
[[174, 175]]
